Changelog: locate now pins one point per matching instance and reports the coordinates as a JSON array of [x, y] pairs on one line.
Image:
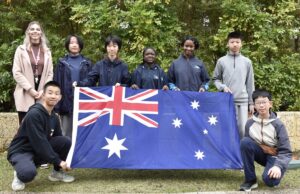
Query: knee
[[270, 182], [245, 142], [27, 175]]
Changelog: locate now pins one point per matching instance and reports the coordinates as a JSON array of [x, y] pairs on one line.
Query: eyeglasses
[[261, 102]]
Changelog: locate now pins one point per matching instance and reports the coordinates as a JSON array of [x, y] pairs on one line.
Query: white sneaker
[[16, 184], [60, 176]]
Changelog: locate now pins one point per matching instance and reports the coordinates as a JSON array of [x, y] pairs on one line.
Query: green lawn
[[142, 181]]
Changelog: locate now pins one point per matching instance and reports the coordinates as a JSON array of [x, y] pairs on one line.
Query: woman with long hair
[[32, 68]]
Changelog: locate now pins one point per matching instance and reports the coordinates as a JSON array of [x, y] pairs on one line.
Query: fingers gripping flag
[[117, 127]]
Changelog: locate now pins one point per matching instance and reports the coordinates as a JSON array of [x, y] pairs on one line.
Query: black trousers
[[25, 164]]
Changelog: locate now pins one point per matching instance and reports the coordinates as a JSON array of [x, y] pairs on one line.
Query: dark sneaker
[[60, 176], [248, 186]]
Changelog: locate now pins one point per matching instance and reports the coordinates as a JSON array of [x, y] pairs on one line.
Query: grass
[[142, 181]]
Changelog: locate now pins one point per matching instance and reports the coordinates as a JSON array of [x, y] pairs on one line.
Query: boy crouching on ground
[[39, 140], [266, 141]]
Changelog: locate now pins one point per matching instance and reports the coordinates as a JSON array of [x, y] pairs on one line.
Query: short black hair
[[235, 34], [148, 48], [79, 40], [114, 39], [51, 83], [261, 93], [195, 41]]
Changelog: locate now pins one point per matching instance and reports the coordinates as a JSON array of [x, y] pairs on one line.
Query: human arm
[[92, 77], [250, 86], [218, 78], [126, 77], [20, 68], [136, 79], [37, 126], [172, 78], [204, 79]]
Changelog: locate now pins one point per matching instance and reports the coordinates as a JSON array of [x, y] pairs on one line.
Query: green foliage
[[139, 23], [269, 28]]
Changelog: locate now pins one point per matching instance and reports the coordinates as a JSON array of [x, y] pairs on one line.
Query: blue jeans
[[251, 152]]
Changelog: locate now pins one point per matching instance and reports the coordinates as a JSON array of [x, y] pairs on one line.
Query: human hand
[[226, 89], [40, 95], [33, 93], [274, 172], [74, 84], [64, 166], [201, 90], [165, 87], [135, 87], [251, 109], [117, 84], [268, 150]]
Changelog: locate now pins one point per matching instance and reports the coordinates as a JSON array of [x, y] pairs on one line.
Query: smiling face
[[35, 33], [149, 56], [188, 48], [51, 96], [74, 48], [262, 106]]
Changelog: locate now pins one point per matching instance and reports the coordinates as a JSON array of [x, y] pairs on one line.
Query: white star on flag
[[195, 104], [212, 120], [199, 155], [205, 132], [114, 146], [177, 122]]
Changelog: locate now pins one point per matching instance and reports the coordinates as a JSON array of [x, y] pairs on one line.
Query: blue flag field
[[122, 128]]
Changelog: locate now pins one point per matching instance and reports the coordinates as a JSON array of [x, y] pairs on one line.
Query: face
[[35, 33], [262, 106], [74, 46], [188, 48], [51, 96], [234, 45], [112, 49], [149, 56]]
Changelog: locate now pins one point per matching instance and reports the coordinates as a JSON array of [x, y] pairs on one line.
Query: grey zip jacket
[[236, 73]]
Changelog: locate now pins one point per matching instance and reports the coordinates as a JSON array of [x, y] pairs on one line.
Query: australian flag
[[122, 128]]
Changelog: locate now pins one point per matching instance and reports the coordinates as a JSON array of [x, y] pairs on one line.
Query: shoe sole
[[252, 187], [18, 189], [56, 180]]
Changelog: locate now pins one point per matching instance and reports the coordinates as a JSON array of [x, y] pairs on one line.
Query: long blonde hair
[[44, 41]]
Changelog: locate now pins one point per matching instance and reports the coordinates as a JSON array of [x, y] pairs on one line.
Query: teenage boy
[[39, 140], [266, 141], [234, 73]]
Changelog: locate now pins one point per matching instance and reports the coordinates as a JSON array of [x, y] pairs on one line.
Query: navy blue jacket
[[149, 78], [108, 73], [62, 75], [188, 74]]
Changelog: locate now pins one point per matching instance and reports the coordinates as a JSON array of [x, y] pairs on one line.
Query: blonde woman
[[32, 68]]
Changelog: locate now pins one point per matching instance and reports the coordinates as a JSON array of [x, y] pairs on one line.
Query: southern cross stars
[[199, 155], [177, 122], [212, 120], [195, 104], [114, 146]]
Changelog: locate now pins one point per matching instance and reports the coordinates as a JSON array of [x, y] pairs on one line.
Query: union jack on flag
[[117, 105]]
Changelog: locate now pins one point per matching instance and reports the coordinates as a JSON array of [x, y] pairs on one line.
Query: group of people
[[45, 107]]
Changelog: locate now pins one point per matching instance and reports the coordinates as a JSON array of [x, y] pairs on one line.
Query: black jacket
[[34, 134], [149, 78], [108, 73], [62, 75]]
